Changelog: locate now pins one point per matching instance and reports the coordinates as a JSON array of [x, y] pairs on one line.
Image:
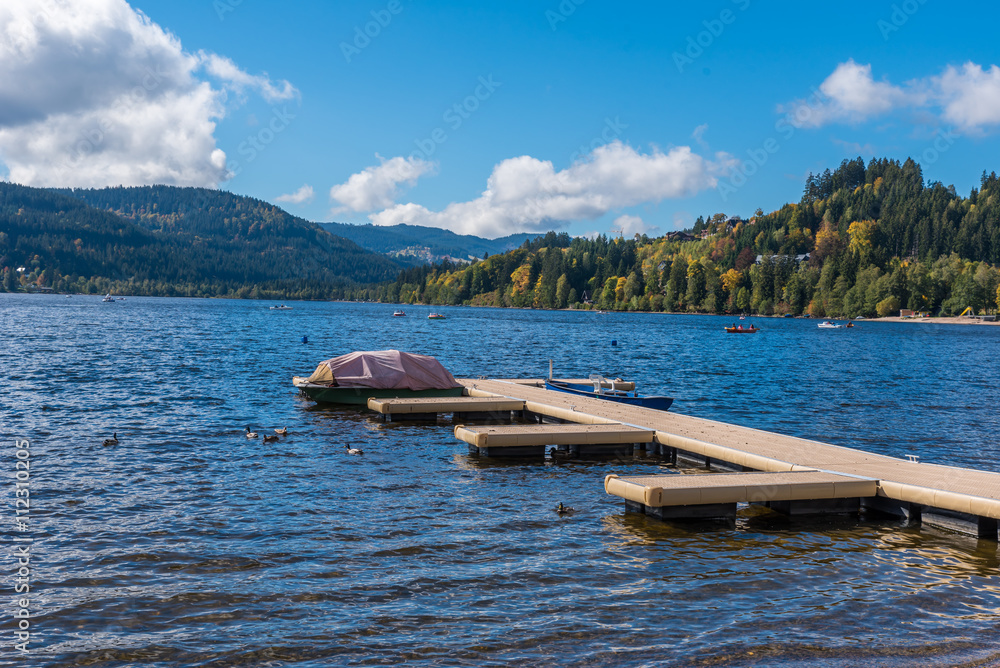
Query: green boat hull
[[358, 396]]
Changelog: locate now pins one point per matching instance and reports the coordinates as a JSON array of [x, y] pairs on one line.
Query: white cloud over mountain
[[93, 93], [300, 196], [527, 194], [377, 187], [967, 97]]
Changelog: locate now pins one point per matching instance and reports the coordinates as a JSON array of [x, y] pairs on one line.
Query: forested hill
[[863, 240], [238, 222], [422, 243], [162, 240]]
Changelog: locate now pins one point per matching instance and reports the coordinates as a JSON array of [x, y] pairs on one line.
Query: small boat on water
[[281, 307], [826, 324], [398, 314], [436, 316], [599, 391], [355, 377], [740, 329], [108, 299]]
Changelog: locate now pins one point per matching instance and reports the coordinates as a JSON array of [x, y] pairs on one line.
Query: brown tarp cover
[[384, 369]]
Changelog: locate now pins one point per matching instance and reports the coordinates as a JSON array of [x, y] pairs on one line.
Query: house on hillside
[[798, 259]]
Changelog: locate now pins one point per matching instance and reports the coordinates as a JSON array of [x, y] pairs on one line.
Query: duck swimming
[[281, 432], [564, 510], [250, 434], [111, 441], [353, 451], [270, 439]]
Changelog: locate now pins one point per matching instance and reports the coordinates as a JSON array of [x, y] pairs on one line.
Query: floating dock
[[573, 439], [964, 499], [715, 496], [428, 408]]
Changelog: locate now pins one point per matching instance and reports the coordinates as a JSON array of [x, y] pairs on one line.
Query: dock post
[[634, 507], [988, 528]]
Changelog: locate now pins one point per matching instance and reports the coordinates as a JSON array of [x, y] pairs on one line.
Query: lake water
[[187, 544]]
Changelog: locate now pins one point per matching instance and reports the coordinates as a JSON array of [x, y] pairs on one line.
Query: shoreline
[[941, 320]]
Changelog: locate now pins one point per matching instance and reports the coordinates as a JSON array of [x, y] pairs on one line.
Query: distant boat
[[108, 299], [826, 324], [598, 391], [281, 307], [435, 316], [740, 329], [398, 314]]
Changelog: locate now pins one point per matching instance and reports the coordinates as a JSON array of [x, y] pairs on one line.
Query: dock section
[[716, 496], [531, 440], [917, 491], [428, 408]]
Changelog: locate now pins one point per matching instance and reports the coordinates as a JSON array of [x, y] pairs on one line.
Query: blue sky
[[582, 116]]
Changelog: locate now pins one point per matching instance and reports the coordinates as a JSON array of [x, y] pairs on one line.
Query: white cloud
[[629, 226], [93, 93], [525, 194], [377, 187], [237, 80], [967, 97], [849, 95], [970, 96], [303, 194]]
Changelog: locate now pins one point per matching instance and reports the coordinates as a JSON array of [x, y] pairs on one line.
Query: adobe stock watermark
[[21, 548], [92, 138], [363, 35], [562, 13], [785, 127], [455, 116], [699, 43], [46, 9], [255, 144], [223, 7], [900, 14], [612, 130], [943, 141]]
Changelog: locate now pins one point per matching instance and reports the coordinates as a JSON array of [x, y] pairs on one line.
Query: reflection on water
[[188, 544]]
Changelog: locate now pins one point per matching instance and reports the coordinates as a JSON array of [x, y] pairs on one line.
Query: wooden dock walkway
[[904, 488]]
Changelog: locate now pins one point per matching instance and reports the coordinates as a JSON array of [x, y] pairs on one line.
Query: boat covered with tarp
[[355, 377]]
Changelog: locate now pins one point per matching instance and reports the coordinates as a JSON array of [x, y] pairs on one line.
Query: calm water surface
[[187, 544]]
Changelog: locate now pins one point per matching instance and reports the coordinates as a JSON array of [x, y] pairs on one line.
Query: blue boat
[[598, 391]]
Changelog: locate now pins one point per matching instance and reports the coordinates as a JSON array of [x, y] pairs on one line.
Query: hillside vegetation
[[877, 237], [161, 240]]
